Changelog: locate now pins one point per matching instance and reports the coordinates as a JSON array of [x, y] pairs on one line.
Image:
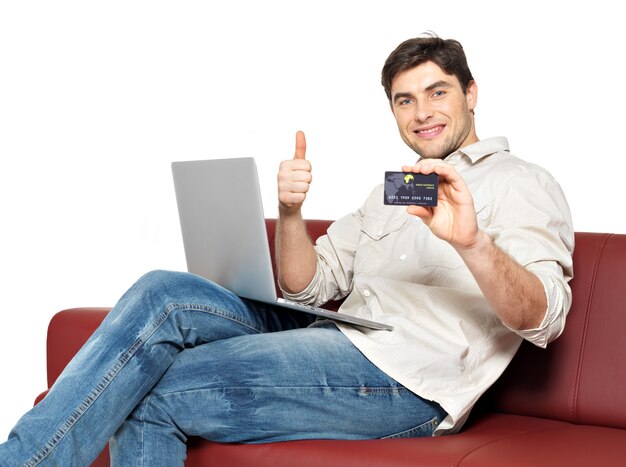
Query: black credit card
[[407, 188]]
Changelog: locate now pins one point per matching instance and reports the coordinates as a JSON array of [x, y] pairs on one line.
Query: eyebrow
[[435, 85], [438, 84], [402, 95]]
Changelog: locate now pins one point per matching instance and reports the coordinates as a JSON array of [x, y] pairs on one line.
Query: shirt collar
[[480, 149]]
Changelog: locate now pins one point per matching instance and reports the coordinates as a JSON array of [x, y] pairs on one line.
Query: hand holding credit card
[[407, 188]]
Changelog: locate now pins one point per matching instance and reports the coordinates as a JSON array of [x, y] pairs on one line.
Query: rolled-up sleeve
[[559, 300], [335, 263], [532, 224]]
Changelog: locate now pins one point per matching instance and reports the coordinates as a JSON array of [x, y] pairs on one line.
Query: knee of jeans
[[161, 283], [160, 288], [152, 291], [157, 278]]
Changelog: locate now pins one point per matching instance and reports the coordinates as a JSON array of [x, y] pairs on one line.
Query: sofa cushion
[[493, 441]]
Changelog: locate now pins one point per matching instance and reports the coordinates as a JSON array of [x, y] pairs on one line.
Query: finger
[[444, 170], [298, 187], [425, 166], [300, 146], [292, 199], [295, 170], [419, 168]]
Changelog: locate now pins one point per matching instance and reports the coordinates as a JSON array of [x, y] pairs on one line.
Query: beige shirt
[[447, 345]]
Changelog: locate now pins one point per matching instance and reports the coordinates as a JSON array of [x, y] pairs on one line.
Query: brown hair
[[448, 54]]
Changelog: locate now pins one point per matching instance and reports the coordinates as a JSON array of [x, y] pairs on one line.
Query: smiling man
[[462, 283], [434, 111]]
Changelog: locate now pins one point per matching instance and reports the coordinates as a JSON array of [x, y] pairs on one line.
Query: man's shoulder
[[495, 152], [505, 164], [510, 165], [502, 173]]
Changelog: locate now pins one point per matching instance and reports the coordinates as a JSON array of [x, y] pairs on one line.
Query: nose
[[423, 111]]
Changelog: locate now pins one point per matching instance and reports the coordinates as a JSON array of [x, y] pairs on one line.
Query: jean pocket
[[425, 429]]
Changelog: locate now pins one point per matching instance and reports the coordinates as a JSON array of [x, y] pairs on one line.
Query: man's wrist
[[481, 248], [289, 212]]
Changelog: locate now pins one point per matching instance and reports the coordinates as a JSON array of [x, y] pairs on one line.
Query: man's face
[[433, 114]]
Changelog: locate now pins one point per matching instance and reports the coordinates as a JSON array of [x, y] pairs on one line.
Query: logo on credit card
[[406, 188]]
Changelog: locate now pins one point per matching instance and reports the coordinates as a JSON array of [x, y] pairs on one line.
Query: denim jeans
[[179, 356]]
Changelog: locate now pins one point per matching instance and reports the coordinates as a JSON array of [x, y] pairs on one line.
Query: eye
[[404, 102], [439, 93]]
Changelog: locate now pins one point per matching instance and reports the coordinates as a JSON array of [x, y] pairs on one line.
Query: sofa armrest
[[67, 332]]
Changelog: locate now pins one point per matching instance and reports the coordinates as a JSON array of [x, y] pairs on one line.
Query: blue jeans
[[179, 356]]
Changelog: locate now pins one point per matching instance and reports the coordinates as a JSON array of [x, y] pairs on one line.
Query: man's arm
[[516, 295], [296, 259]]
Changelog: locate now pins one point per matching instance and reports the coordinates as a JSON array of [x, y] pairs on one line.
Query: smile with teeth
[[431, 131]]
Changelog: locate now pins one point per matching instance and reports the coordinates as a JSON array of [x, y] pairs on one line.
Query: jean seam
[[372, 391], [86, 403], [89, 400], [217, 311], [429, 424], [143, 429], [357, 390]]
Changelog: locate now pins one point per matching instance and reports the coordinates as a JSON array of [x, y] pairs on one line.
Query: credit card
[[406, 188]]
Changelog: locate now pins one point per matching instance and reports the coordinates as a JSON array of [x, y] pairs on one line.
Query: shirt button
[[402, 258], [366, 293], [380, 233]]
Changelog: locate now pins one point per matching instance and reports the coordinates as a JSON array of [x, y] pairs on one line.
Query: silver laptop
[[223, 228]]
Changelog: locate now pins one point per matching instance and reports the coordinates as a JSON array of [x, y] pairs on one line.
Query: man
[[462, 283]]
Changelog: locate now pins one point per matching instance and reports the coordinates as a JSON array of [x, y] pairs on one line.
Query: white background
[[97, 98]]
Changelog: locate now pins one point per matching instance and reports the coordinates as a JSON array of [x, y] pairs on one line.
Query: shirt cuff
[[553, 321], [308, 294]]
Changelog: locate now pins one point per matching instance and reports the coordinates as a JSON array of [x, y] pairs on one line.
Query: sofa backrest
[[580, 377]]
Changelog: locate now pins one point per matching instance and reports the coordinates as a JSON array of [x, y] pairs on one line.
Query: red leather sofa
[[563, 406]]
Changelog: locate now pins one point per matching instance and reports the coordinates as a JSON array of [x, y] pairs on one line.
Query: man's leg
[[299, 384], [162, 314]]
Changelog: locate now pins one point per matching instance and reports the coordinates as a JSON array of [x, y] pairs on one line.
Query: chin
[[425, 151], [434, 152], [430, 154]]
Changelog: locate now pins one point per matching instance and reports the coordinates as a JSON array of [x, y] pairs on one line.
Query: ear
[[471, 95]]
